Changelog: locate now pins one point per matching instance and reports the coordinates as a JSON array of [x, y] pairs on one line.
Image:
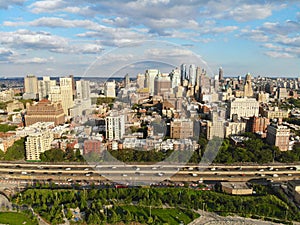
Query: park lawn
[[165, 215], [14, 218]]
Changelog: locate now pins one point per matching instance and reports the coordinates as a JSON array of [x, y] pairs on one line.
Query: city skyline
[[59, 38]]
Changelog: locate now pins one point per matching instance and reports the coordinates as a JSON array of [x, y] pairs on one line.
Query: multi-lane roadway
[[143, 173]]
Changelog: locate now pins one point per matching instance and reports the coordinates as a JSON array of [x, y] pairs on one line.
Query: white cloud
[[34, 60], [255, 35], [6, 54], [25, 39], [275, 54], [5, 4], [32, 40]]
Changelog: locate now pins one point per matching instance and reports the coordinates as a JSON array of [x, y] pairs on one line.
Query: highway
[[143, 173]]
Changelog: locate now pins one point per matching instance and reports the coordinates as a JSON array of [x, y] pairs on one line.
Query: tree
[[16, 151], [52, 155], [5, 128]]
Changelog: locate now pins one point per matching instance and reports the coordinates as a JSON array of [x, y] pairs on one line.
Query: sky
[[114, 37]]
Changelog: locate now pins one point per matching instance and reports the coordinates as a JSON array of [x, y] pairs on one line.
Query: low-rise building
[[234, 128], [7, 139], [275, 113], [14, 106], [236, 188]]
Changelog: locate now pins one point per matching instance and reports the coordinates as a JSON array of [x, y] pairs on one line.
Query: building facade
[[38, 143], [115, 127], [242, 107], [66, 91], [181, 129], [44, 111], [278, 135]]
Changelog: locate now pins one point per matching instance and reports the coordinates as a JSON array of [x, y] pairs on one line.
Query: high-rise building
[[215, 127], [221, 74], [181, 129], [66, 90], [127, 80], [282, 93], [55, 95], [38, 143], [175, 78], [140, 81], [278, 135], [242, 107], [30, 87], [83, 89], [183, 73], [257, 124], [162, 84], [149, 79], [115, 127], [192, 75], [73, 85], [110, 89], [44, 87], [248, 91], [44, 111]]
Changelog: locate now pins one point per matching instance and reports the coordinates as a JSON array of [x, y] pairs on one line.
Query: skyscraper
[[248, 91], [150, 77], [183, 72], [221, 74], [162, 84], [44, 87], [192, 75], [175, 78], [30, 86], [127, 80], [110, 89], [140, 81], [66, 91], [83, 89]]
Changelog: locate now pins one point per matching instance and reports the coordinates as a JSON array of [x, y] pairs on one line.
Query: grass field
[[165, 216], [14, 218]]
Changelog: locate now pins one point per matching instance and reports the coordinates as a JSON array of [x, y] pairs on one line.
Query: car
[[86, 169], [261, 170], [271, 168], [69, 180], [154, 168], [289, 175], [275, 175], [194, 174], [87, 174], [68, 168], [160, 174], [213, 169], [113, 167], [124, 175]]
